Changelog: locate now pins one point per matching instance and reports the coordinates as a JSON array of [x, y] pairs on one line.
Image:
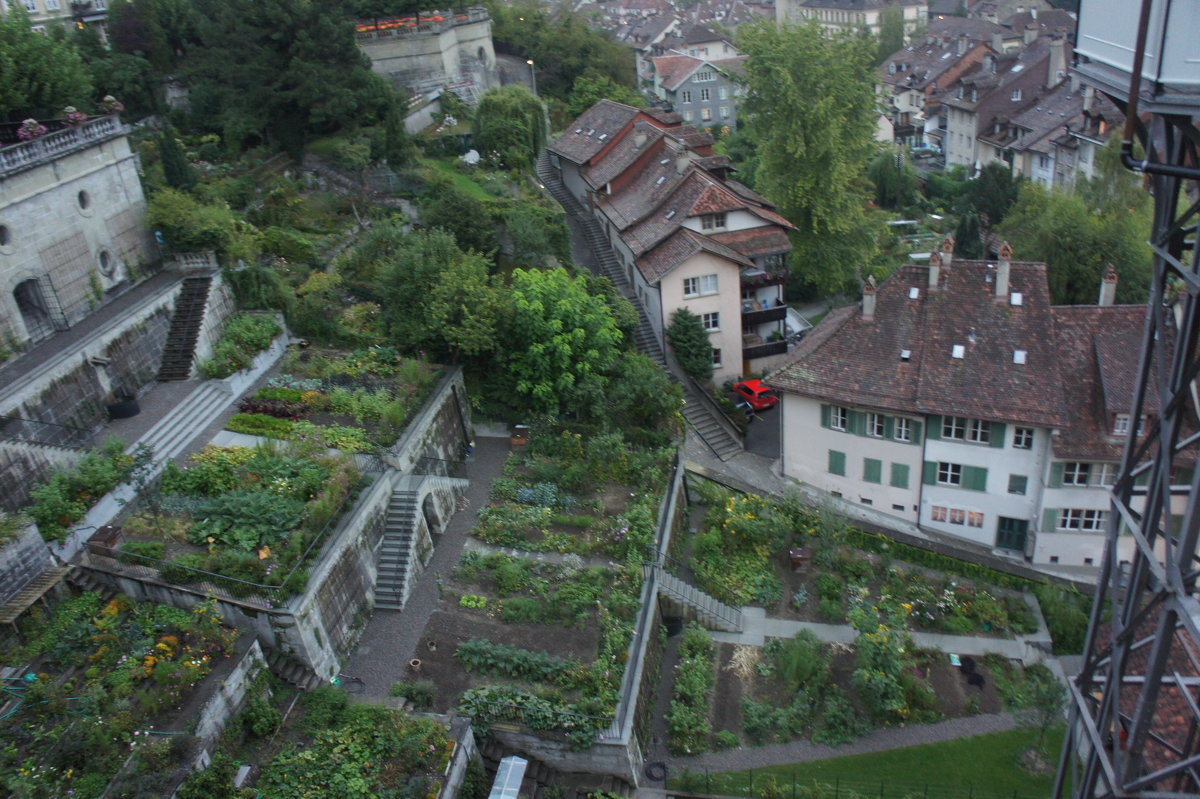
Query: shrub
[[260, 424], [831, 610], [66, 496], [422, 693], [687, 720], [283, 409], [725, 739], [141, 551], [839, 724], [830, 586], [1067, 615], [244, 336]]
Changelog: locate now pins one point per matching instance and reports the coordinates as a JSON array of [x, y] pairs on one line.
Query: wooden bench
[[31, 593]]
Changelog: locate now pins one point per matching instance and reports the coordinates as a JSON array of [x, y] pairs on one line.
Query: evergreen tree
[[968, 239], [176, 169], [690, 343]]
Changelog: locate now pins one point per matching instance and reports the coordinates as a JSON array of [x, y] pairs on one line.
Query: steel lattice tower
[[1134, 729]]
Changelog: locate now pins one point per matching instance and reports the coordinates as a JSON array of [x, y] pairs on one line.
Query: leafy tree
[[968, 239], [690, 343], [811, 105], [896, 182], [991, 195], [592, 87], [642, 396], [41, 74], [176, 169], [189, 226], [134, 29], [279, 70], [891, 33], [625, 315], [129, 78], [510, 122], [468, 219], [408, 268], [561, 342], [467, 307]]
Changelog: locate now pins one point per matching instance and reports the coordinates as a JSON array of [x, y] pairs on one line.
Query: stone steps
[[394, 562], [175, 431], [190, 307]]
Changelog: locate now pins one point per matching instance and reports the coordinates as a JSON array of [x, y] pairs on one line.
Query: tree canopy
[[41, 74], [591, 87], [690, 343], [511, 123]]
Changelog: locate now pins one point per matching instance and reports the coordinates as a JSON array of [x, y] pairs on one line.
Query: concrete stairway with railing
[[394, 565], [175, 431], [693, 604], [697, 412]]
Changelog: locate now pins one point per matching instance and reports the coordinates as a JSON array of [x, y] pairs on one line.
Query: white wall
[[726, 301]]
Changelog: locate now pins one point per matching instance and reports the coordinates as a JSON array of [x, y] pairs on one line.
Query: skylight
[[1019, 356], [665, 161], [660, 180], [905, 355], [671, 214], [959, 351], [1018, 67], [914, 292], [1018, 298]]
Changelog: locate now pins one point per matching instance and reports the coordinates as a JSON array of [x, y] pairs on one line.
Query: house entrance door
[[1011, 533]]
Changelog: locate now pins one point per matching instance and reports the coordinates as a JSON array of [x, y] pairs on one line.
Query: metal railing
[[695, 598], [46, 433], [438, 467], [29, 154]]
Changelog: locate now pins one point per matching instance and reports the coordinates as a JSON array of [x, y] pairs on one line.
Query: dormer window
[[959, 93], [1121, 424], [712, 222], [892, 68], [1016, 95]]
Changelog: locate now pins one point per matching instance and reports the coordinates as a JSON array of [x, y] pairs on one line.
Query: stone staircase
[[190, 307], [692, 603], [293, 671], [395, 553], [172, 434], [695, 411]]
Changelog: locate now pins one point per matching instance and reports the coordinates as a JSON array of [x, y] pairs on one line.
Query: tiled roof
[[699, 34], [1053, 20], [674, 69], [1094, 342], [755, 242], [1048, 114], [858, 362], [624, 153], [714, 199], [859, 5], [677, 248], [582, 140]]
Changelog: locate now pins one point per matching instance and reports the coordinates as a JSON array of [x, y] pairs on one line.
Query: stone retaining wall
[[22, 560]]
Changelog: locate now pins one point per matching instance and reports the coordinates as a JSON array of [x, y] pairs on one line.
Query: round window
[[85, 200], [106, 263]]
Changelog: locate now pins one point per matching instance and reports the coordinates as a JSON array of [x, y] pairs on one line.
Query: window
[[52, 5], [958, 516], [695, 286], [703, 75], [706, 114], [1076, 474], [974, 519], [1016, 95], [685, 96], [1121, 425], [875, 425], [705, 95], [687, 116], [954, 427], [872, 470], [949, 474], [1104, 474], [979, 431], [938, 513], [899, 475], [712, 321], [1082, 519], [837, 462], [712, 222], [723, 92], [691, 286], [724, 112], [1043, 162], [1017, 483], [716, 358], [1022, 438], [839, 418], [31, 5]]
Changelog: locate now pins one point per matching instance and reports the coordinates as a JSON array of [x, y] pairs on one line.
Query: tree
[[466, 307], [511, 123], [409, 267], [968, 239], [644, 400], [561, 342], [690, 343], [176, 169], [133, 28], [991, 195], [811, 105], [41, 74], [591, 87], [469, 220], [891, 33], [896, 182]]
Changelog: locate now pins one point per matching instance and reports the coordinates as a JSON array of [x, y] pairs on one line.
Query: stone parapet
[[45, 149]]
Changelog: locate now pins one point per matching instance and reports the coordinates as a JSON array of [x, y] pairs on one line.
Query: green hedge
[[260, 424]]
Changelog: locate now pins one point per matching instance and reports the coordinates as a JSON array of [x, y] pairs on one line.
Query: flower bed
[[687, 720], [245, 336], [250, 514], [100, 677], [67, 495], [354, 401]]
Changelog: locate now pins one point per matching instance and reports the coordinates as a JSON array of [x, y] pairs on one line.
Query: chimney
[[934, 262], [960, 45], [682, 161], [1002, 271], [1031, 34], [639, 139], [1089, 97], [998, 42], [1056, 65], [1108, 288], [868, 300], [1033, 12]]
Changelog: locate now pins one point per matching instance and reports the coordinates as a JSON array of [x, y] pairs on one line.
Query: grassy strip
[[461, 181], [983, 767]]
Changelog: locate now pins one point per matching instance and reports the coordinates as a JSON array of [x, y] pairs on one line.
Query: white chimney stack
[[1108, 288], [1003, 268], [868, 300], [1056, 65]]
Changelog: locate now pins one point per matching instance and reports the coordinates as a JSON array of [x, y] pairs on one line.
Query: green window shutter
[[974, 478], [872, 470], [917, 427], [1049, 519], [825, 411], [997, 434], [889, 427], [837, 462], [857, 423], [930, 473], [900, 475], [1056, 475], [935, 427]]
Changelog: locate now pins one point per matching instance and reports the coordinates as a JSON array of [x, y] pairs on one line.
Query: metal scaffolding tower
[[1134, 729]]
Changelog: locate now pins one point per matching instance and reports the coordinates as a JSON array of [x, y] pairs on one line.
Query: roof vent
[[592, 132], [665, 161], [603, 136], [579, 130], [671, 214], [1018, 298], [1019, 356], [905, 355], [660, 180], [959, 351], [913, 292]]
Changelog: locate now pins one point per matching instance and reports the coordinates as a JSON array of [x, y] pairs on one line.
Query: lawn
[[463, 183], [983, 767]]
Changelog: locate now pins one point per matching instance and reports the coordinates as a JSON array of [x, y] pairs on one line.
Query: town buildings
[[46, 14], [958, 398], [686, 234], [699, 80], [853, 16]]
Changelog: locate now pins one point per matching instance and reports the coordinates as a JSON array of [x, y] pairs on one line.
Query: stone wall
[[21, 560], [437, 51], [23, 465]]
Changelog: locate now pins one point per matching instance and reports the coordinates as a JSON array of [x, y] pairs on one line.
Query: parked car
[[756, 394]]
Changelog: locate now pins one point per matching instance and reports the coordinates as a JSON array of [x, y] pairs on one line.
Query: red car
[[756, 394]]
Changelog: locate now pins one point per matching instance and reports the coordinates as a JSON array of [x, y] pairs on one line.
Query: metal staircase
[[395, 553], [692, 603], [190, 307]]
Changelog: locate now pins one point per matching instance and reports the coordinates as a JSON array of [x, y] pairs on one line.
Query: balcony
[[757, 316], [45, 149], [763, 350], [757, 278]]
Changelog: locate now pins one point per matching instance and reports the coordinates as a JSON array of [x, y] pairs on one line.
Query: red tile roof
[[755, 242], [583, 139], [677, 248]]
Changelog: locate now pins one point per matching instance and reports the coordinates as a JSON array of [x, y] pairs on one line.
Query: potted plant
[[31, 129]]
